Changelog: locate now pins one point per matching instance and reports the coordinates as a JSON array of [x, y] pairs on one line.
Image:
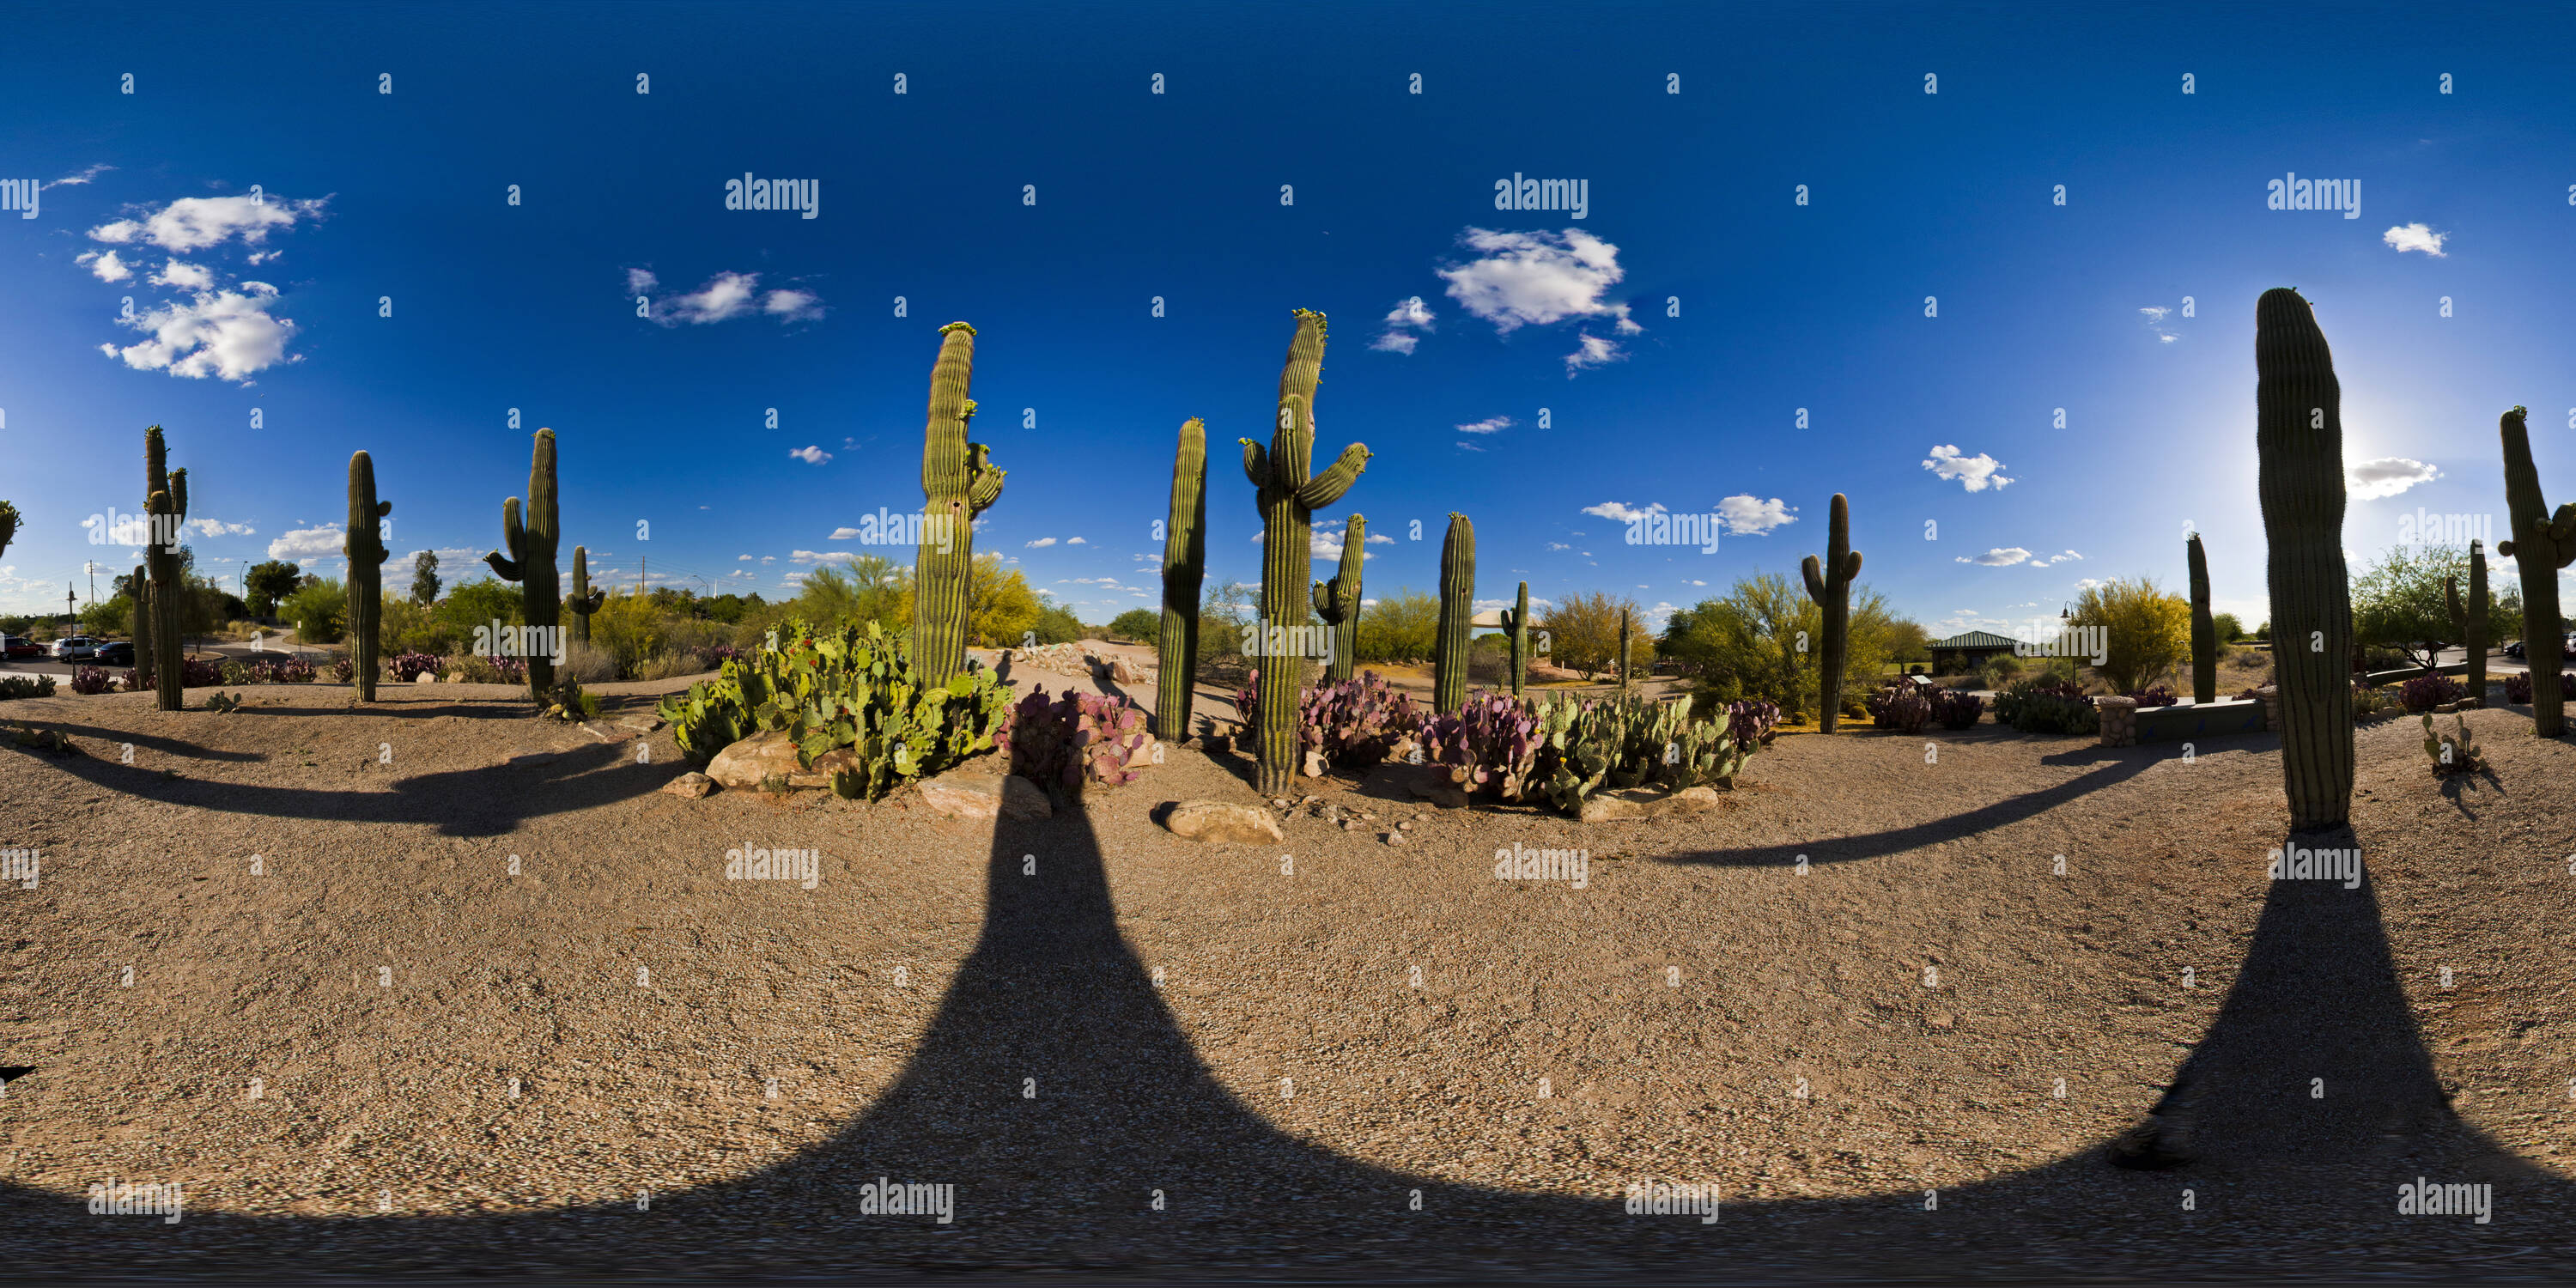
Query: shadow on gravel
[[2117, 765], [1058, 1096], [166, 746]]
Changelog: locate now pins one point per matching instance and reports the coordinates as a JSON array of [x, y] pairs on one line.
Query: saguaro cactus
[[1829, 584], [1288, 495], [364, 544], [531, 561], [2204, 629], [1338, 601], [2470, 619], [1516, 622], [1457, 613], [2298, 442], [583, 601], [2542, 543], [1623, 652], [1176, 654], [165, 510], [142, 587], [957, 483], [8, 525]]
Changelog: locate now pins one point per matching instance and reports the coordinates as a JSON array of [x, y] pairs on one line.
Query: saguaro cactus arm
[[1256, 463], [514, 535], [1328, 487]]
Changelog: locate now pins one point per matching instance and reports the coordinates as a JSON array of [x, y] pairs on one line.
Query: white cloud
[[186, 276], [723, 298], [792, 306], [1039, 544], [229, 334], [106, 264], [810, 454], [2406, 237], [1591, 351], [1410, 312], [1558, 545], [747, 558], [1687, 581], [259, 257], [195, 223], [1379, 538], [2388, 476], [1075, 541], [1464, 445], [1975, 473], [1752, 516], [1526, 279], [1618, 511], [769, 559], [219, 528], [2061, 558], [75, 180], [1487, 425], [2156, 315], [1998, 557], [2088, 583], [838, 534], [814, 556], [302, 542], [641, 281]]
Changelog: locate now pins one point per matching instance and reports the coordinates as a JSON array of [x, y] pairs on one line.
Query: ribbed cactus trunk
[[2541, 544], [957, 483], [2204, 628], [1338, 601], [1176, 655], [364, 544], [1829, 584], [142, 585], [1288, 495], [1457, 611], [2470, 619], [583, 601], [531, 561], [2298, 441], [165, 509], [1516, 623], [1623, 652]]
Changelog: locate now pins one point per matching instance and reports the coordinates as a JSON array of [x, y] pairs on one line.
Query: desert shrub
[[477, 669], [1901, 707], [2048, 706], [1078, 740], [2155, 696], [1397, 627], [1956, 709], [1351, 725], [316, 610], [2367, 702], [2425, 692], [2253, 657], [42, 686], [845, 688], [2375, 659], [1998, 671], [566, 702], [89, 680], [2146, 630], [1143, 625], [588, 663], [672, 663]]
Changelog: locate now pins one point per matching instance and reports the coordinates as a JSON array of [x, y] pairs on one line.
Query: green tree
[[107, 617], [1136, 624], [2397, 601], [1583, 632], [872, 589], [1001, 610], [2147, 631], [480, 602], [317, 610], [1760, 642], [1397, 627], [268, 583], [2229, 629], [1056, 623], [424, 578]]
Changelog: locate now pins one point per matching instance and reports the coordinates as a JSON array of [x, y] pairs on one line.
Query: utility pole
[[643, 578], [92, 564]]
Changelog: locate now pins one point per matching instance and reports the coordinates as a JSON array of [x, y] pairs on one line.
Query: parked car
[[14, 647], [74, 648], [113, 653]]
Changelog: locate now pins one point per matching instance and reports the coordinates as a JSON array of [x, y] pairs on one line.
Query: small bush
[[90, 680], [42, 686], [673, 662], [2056, 706], [2368, 702], [589, 664], [2155, 696], [476, 669], [1956, 710], [2425, 692], [409, 667]]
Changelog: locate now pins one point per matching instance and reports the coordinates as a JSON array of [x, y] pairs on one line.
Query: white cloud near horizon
[[1999, 557]]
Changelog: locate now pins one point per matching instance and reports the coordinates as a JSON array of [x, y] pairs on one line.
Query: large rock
[[691, 785], [1122, 671], [971, 794], [1603, 807], [745, 763], [1220, 823]]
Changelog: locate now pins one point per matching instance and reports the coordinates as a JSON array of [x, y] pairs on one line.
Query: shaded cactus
[[1288, 494], [2204, 629], [957, 483], [8, 525], [1176, 653], [1829, 584], [2542, 543], [531, 561], [2470, 619], [165, 510], [583, 601], [141, 588], [2298, 442], [1457, 614], [1624, 636], [1516, 623], [1338, 601], [364, 544]]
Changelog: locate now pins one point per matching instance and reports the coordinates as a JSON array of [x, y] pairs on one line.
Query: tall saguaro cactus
[[2542, 543], [1624, 636], [8, 526], [583, 601], [2470, 619], [165, 510], [2298, 443], [1338, 601], [957, 483], [1288, 494], [1176, 653], [1829, 584], [143, 620], [1516, 623], [531, 561], [2204, 628], [1457, 614], [365, 545]]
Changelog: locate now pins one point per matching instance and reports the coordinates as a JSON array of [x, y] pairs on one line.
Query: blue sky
[[1669, 336]]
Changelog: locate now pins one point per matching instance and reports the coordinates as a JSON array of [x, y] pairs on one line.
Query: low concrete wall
[[2167, 724]]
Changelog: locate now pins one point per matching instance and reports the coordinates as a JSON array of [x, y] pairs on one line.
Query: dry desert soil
[[434, 987]]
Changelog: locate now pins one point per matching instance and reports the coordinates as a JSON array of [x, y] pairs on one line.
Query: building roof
[[1975, 639]]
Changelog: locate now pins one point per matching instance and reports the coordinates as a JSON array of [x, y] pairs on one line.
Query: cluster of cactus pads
[[2451, 753], [1351, 724], [1561, 751], [1076, 740], [851, 694]]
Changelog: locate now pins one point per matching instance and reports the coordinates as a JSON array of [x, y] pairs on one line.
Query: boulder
[[745, 763], [1220, 823], [961, 794], [1689, 800], [691, 785], [1125, 672], [1602, 807]]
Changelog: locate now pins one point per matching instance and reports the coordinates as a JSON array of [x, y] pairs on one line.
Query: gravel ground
[[1290, 1046]]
